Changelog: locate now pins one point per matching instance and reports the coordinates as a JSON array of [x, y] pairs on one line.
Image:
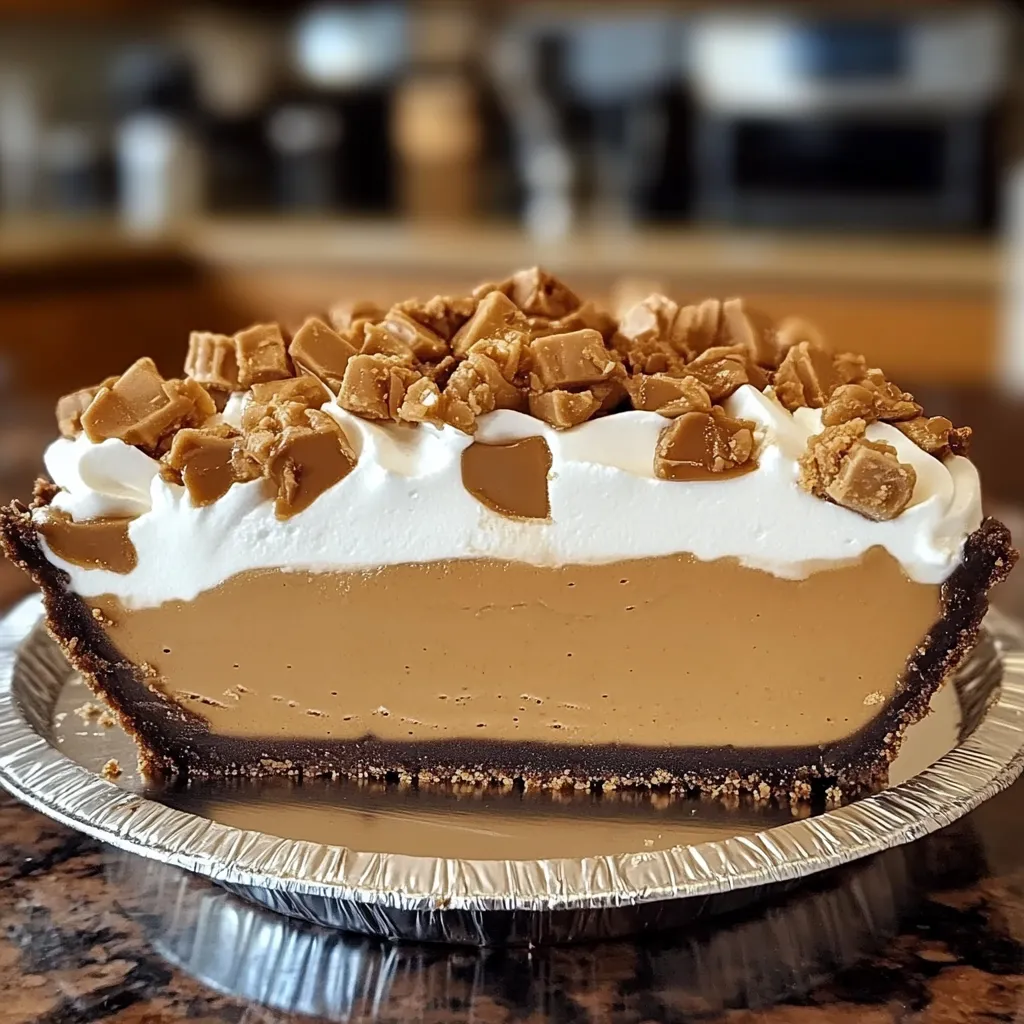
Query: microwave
[[871, 119]]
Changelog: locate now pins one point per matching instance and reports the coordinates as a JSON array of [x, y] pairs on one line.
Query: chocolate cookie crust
[[187, 746]]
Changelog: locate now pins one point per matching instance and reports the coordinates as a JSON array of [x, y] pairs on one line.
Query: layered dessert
[[508, 537]]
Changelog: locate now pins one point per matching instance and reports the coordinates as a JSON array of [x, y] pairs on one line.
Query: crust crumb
[[100, 617], [89, 711]]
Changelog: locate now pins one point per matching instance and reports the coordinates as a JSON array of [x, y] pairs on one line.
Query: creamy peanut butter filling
[[661, 652]]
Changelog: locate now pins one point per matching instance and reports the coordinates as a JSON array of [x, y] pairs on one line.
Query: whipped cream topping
[[405, 502]]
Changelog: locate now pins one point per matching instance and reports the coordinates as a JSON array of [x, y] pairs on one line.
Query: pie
[[510, 538]]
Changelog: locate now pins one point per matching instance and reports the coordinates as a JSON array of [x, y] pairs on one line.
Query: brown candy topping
[[538, 293], [203, 458], [511, 479], [343, 315], [143, 409], [422, 403], [873, 482], [570, 360], [279, 404], [670, 396], [752, 331], [287, 439], [723, 369], [261, 355], [92, 543], [481, 382], [422, 342], [863, 476], [872, 398], [70, 408], [794, 330], [305, 461], [318, 349], [442, 314], [564, 409], [805, 377], [849, 402], [960, 440], [698, 326], [849, 367], [379, 341], [655, 336], [374, 386], [704, 445], [588, 316], [212, 361], [930, 434], [527, 343], [496, 318], [892, 405]]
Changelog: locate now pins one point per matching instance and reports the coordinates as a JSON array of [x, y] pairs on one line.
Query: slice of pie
[[507, 537]]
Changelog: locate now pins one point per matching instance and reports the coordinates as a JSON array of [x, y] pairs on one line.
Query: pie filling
[[511, 536], [661, 652]]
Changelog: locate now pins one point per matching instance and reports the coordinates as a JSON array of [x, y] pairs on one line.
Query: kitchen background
[[167, 166]]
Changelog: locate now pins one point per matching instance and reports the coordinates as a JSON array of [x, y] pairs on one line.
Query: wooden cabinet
[[928, 315]]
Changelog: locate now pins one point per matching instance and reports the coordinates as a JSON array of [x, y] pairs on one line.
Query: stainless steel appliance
[[846, 117]]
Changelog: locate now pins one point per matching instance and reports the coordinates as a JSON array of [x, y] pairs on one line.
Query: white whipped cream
[[405, 502]]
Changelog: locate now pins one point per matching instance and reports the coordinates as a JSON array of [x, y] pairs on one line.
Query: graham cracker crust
[[173, 740]]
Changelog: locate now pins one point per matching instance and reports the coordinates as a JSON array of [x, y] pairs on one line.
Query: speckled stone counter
[[932, 932]]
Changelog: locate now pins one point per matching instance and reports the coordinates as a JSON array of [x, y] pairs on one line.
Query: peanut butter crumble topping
[[529, 344], [142, 409], [670, 396], [212, 360], [699, 445], [806, 377], [321, 351], [261, 355], [71, 407], [202, 458], [862, 475]]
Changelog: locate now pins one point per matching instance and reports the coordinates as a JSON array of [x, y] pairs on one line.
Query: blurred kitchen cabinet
[[61, 333], [928, 316], [917, 338], [40, 9]]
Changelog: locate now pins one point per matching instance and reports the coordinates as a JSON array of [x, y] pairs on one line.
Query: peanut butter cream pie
[[509, 537]]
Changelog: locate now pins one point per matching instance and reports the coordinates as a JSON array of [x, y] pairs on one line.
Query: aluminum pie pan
[[786, 950], [447, 899]]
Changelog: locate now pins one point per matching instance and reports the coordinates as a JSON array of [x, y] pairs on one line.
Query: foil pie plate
[[386, 860]]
